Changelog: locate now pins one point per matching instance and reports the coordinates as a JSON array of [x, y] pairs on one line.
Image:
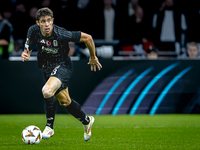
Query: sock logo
[[86, 118], [48, 124], [51, 118]]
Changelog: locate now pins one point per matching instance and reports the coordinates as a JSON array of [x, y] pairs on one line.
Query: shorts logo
[[57, 67], [55, 43], [48, 43], [55, 70]]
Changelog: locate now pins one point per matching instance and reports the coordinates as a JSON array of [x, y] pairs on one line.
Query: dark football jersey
[[53, 50]]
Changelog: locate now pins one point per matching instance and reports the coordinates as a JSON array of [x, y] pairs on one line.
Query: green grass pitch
[[123, 132]]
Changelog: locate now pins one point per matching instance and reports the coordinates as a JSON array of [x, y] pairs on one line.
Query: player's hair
[[193, 44], [44, 12]]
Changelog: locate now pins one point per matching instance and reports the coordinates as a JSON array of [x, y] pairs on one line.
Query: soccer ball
[[31, 135]]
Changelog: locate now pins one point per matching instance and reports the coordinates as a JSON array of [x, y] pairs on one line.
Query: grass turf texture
[[140, 132]]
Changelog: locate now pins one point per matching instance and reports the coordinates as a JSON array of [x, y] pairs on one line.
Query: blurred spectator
[[106, 22], [150, 7], [135, 32], [192, 51], [84, 10], [13, 1], [45, 3], [128, 8], [82, 4], [20, 23], [152, 52], [132, 6], [64, 11], [169, 24], [133, 29], [32, 15], [192, 13], [5, 36], [7, 11], [131, 21]]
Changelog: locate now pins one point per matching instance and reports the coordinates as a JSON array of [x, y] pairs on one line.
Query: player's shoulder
[[58, 29], [34, 28], [62, 32]]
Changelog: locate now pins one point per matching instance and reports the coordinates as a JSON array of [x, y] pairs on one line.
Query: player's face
[[46, 25]]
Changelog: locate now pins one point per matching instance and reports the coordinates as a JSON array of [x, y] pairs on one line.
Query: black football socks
[[75, 110], [50, 111]]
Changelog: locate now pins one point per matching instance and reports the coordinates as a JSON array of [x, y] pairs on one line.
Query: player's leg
[[72, 106], [74, 109], [51, 86], [48, 90]]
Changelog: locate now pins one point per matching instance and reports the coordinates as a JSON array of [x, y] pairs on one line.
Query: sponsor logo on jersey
[[49, 50], [55, 43], [48, 43], [27, 41], [42, 41]]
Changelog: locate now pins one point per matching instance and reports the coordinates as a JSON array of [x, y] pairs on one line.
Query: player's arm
[[26, 54], [88, 40]]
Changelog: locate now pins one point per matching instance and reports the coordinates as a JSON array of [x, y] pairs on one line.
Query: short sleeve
[[76, 36], [30, 40], [69, 36]]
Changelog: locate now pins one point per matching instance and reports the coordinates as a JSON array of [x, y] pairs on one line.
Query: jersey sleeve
[[30, 40], [72, 36], [76, 36]]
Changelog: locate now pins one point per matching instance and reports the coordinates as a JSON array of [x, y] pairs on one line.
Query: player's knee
[[65, 103], [47, 93]]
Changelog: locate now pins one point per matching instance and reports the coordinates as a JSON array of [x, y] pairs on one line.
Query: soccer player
[[53, 59]]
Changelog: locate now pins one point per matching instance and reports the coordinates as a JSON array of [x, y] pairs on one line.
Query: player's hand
[[94, 62], [25, 55]]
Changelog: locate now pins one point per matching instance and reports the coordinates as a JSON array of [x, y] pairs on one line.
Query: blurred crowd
[[140, 28]]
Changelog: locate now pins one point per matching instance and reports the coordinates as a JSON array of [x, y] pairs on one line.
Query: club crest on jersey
[[55, 43], [48, 43]]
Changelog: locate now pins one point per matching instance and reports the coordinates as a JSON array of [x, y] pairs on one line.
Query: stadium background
[[174, 82], [167, 87], [151, 86]]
